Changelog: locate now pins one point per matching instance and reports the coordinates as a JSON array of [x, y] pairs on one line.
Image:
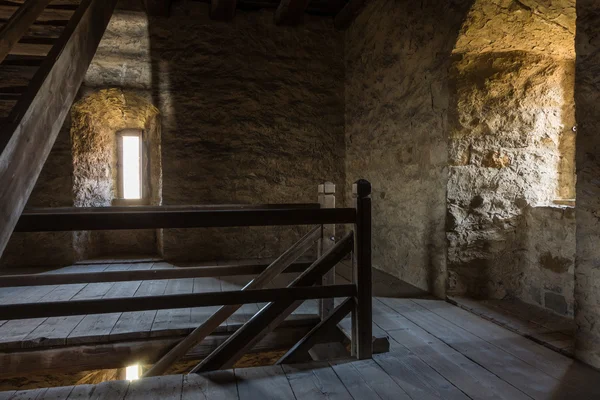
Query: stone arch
[[95, 121], [511, 151]]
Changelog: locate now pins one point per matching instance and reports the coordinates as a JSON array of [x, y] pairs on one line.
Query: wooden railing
[[281, 301]]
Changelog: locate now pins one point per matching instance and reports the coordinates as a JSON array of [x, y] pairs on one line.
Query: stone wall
[[587, 98], [54, 188], [251, 113], [397, 60], [546, 259], [511, 148], [96, 119]]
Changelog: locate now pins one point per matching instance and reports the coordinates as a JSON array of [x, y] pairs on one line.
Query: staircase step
[[27, 61]]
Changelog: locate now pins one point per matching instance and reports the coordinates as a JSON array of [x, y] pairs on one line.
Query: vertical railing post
[[362, 346], [327, 200]]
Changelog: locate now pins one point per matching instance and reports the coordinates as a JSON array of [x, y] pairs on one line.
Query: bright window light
[[132, 180], [132, 372]]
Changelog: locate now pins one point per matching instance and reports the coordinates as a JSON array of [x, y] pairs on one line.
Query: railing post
[[362, 346], [327, 241]]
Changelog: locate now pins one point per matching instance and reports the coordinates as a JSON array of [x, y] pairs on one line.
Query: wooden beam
[[222, 10], [157, 8], [18, 24], [122, 354], [348, 14], [362, 318], [274, 313], [276, 267], [140, 275], [381, 343], [32, 127], [290, 12], [112, 305], [323, 328], [141, 218], [327, 200]]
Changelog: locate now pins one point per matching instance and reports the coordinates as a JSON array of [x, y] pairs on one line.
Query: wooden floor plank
[[113, 390], [217, 385], [199, 315], [366, 380], [174, 321], [313, 381], [266, 383], [81, 392], [307, 308], [13, 332], [8, 293], [417, 379], [563, 368], [247, 311], [28, 394], [93, 328], [56, 393], [97, 327], [509, 368], [137, 324], [157, 388], [7, 395], [94, 291], [54, 331], [471, 378]]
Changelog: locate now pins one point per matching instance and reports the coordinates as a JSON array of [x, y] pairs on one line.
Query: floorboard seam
[[455, 349]]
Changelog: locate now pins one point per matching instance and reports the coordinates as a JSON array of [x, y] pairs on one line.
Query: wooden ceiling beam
[[348, 14], [222, 10], [158, 8], [290, 12]]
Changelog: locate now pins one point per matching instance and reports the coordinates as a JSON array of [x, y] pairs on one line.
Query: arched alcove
[[511, 153], [97, 120]]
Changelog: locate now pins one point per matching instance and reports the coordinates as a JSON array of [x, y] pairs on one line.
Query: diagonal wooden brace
[[197, 335], [270, 316], [312, 337]]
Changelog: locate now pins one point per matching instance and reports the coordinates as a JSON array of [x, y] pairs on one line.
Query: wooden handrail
[[18, 24], [139, 275], [143, 218], [113, 305], [192, 207]]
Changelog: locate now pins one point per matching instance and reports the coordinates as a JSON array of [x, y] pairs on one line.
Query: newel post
[[327, 200], [361, 262]]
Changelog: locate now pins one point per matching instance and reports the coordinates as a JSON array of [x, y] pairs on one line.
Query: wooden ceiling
[[287, 12]]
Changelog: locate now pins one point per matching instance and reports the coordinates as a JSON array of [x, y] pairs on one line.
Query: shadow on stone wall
[[397, 60], [252, 113], [587, 99]]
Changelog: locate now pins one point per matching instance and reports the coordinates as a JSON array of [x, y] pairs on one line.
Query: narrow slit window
[[131, 166]]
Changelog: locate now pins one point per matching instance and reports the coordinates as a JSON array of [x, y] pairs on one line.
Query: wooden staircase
[[21, 59], [46, 47]]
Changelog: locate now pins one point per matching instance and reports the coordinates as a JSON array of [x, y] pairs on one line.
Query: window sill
[[130, 202], [564, 202]]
